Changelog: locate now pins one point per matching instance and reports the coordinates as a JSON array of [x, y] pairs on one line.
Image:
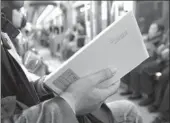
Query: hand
[[87, 94], [157, 75], [160, 49], [165, 54]]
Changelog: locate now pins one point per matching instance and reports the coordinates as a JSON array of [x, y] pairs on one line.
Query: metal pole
[[98, 17]]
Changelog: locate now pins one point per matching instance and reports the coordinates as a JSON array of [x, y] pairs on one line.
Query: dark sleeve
[[55, 110], [165, 75], [151, 67], [43, 92]]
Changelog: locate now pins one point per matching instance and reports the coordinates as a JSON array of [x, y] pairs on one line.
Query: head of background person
[[11, 9], [51, 29], [62, 29], [74, 28], [81, 29], [71, 37], [56, 30], [156, 29]]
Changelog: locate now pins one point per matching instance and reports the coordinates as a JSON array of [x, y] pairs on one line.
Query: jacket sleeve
[[39, 87], [55, 110]]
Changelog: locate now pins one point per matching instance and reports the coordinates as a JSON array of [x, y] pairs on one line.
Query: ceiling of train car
[[37, 9]]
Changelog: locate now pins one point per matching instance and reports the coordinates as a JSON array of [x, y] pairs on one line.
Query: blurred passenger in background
[[44, 40], [81, 35], [54, 32], [23, 43], [26, 40], [141, 23], [149, 69], [69, 45], [19, 23], [141, 79], [61, 32], [147, 82], [155, 34], [161, 103]]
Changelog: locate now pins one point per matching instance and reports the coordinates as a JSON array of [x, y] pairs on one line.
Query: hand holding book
[[85, 98]]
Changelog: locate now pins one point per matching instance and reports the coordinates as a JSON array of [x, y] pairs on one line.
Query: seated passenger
[[68, 46], [153, 40], [155, 34], [163, 109], [160, 90], [146, 77]]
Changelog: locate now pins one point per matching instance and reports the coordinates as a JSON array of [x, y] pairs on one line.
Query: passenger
[[126, 80], [163, 109], [160, 90], [54, 40], [67, 46], [21, 99], [149, 69], [155, 33], [143, 81], [138, 78], [163, 80], [154, 38]]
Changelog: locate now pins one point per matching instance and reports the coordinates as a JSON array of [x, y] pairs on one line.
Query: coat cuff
[[66, 110]]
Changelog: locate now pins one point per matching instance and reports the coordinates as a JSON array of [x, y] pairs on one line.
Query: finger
[[109, 91], [102, 75]]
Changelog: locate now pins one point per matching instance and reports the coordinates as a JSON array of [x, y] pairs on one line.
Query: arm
[[155, 41], [40, 88], [55, 110], [160, 49], [165, 75], [145, 37]]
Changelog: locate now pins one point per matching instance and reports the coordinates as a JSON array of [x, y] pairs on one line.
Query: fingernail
[[113, 70]]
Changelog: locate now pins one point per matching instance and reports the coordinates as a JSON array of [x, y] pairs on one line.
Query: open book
[[120, 45]]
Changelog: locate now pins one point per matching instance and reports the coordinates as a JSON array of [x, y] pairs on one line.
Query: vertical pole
[[134, 7], [165, 14], [98, 17], [87, 22], [69, 15], [91, 21], [108, 13]]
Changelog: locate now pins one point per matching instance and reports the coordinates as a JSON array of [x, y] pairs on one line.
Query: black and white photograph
[[85, 61]]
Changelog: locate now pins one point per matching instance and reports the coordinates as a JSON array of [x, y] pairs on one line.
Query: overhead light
[[47, 10], [58, 1], [56, 12]]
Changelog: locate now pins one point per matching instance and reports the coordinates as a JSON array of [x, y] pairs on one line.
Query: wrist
[[69, 99]]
